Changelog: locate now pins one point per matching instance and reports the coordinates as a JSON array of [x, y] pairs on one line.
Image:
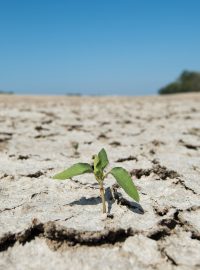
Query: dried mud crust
[[60, 224]]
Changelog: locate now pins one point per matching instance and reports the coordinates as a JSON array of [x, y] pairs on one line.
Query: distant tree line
[[6, 92], [188, 81]]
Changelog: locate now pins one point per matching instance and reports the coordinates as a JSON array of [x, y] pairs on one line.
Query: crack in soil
[[159, 233], [34, 175], [12, 208], [166, 226], [163, 174], [72, 237], [42, 136], [39, 193], [169, 258], [157, 169], [189, 146], [126, 159], [185, 224], [160, 211], [182, 183]]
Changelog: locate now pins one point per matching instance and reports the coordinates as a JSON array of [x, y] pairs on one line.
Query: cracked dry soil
[[48, 224]]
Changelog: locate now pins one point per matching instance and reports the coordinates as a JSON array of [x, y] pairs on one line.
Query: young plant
[[100, 162]]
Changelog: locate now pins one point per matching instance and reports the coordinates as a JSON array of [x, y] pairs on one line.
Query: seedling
[[100, 162]]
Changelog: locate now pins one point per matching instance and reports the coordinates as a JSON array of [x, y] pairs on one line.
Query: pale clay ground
[[49, 224]]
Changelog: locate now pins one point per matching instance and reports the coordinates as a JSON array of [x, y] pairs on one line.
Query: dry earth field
[[49, 224]]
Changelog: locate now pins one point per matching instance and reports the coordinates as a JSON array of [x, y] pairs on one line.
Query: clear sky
[[97, 46]]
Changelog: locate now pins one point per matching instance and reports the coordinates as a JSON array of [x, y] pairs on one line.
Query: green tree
[[188, 81]]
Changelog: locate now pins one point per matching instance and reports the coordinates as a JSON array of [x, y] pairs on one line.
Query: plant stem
[[105, 175], [102, 196]]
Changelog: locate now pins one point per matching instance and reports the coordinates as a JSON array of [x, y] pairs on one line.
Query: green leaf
[[123, 178], [76, 169], [100, 162], [97, 172], [103, 159]]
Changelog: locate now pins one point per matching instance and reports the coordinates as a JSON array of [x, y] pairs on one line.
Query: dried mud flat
[[48, 224]]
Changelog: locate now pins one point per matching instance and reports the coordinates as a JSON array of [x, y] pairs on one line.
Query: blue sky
[[130, 47]]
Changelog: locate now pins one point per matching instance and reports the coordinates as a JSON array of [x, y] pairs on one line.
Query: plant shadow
[[86, 201], [117, 197], [110, 199]]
